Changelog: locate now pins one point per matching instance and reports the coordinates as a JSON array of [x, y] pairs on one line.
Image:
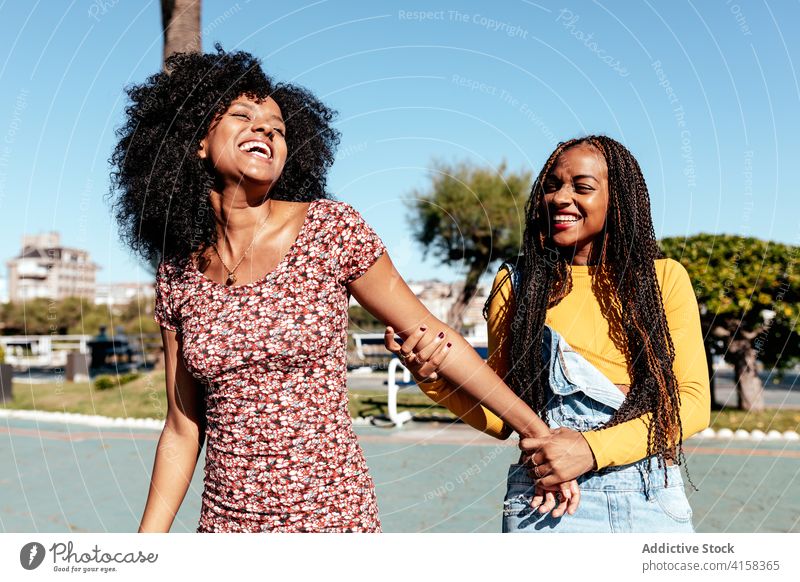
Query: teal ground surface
[[429, 478]]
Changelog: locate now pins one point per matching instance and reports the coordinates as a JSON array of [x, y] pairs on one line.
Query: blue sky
[[705, 94]]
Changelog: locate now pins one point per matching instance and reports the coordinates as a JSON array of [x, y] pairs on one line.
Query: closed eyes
[[246, 116]]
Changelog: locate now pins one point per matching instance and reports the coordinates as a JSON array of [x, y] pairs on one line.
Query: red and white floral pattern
[[281, 453]]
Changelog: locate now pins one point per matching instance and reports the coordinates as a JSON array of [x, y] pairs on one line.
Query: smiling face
[[576, 201], [247, 144]]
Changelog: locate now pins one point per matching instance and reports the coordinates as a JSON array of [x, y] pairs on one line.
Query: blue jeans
[[629, 498]]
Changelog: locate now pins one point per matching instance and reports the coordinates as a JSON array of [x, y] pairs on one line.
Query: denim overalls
[[628, 498]]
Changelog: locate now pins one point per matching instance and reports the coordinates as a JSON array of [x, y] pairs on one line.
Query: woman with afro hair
[[220, 177], [600, 335]]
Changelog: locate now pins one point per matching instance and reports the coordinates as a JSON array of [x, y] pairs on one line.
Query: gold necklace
[[231, 278]]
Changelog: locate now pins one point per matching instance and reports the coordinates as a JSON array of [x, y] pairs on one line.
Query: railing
[[25, 351], [370, 350]]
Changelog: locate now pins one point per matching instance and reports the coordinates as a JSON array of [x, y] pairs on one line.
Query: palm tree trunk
[[749, 387], [181, 22]]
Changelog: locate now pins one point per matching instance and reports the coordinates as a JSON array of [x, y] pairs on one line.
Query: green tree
[[470, 217], [70, 312], [76, 316], [137, 317], [362, 321], [749, 295], [30, 317]]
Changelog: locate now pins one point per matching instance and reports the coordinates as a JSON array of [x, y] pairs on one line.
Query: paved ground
[[777, 394], [783, 394], [429, 478]]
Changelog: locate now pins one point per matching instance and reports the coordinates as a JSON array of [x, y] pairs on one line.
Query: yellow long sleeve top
[[579, 320]]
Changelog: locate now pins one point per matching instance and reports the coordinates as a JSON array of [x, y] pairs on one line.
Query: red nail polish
[[441, 335], [449, 345], [422, 328]]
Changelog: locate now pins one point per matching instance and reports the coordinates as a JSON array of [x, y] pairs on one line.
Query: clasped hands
[[555, 461]]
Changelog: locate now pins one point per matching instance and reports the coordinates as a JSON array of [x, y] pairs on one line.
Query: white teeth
[[258, 148], [565, 218]]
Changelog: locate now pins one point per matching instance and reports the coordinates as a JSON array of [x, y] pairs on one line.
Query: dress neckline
[[292, 249]]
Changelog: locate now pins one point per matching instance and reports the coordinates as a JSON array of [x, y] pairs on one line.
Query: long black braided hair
[[624, 282]]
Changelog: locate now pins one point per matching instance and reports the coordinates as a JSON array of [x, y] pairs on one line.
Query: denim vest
[[582, 397]]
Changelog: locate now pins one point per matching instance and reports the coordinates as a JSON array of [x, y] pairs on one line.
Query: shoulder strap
[[514, 273]]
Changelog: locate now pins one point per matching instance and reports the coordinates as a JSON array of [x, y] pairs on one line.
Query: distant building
[[439, 298], [123, 293], [45, 268]]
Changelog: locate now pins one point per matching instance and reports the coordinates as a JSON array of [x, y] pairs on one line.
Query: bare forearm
[[174, 465], [382, 291], [465, 369]]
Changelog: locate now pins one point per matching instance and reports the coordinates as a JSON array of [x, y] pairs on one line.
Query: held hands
[[555, 461], [419, 353], [422, 356], [567, 495], [561, 456]]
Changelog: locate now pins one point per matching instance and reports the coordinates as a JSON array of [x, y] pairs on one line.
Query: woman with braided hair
[[600, 336]]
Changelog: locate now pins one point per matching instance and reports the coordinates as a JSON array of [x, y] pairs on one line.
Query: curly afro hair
[[160, 186]]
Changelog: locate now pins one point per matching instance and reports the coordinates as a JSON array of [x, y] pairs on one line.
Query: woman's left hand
[[561, 456], [565, 499]]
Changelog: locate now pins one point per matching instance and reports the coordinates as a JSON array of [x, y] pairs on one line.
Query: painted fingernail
[[441, 335], [449, 345], [422, 328]]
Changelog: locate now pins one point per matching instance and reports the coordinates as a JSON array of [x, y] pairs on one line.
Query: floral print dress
[[281, 454]]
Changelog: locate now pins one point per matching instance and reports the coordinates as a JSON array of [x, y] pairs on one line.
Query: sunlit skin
[[246, 120], [577, 188], [242, 183]]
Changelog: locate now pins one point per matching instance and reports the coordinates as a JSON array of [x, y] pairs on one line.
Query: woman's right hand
[[422, 362]]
